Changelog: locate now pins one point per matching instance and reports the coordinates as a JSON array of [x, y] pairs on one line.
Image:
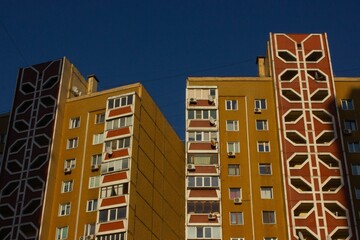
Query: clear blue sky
[[161, 43]]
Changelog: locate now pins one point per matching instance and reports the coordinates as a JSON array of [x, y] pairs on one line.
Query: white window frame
[[354, 147], [261, 103], [72, 143], [96, 159], [199, 181], [112, 214], [120, 101], [64, 209], [201, 114], [99, 118], [231, 105], [265, 166], [263, 146], [355, 169], [114, 190], [119, 123], [114, 166], [233, 147], [67, 186], [94, 182], [70, 163], [89, 229], [271, 216], [98, 138], [347, 104], [202, 136], [238, 192], [192, 232], [91, 205], [270, 238], [74, 123], [235, 168], [266, 192], [236, 220], [62, 233], [232, 125], [119, 143], [262, 125]]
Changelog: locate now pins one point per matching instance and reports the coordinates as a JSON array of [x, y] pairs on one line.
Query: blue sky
[[161, 43]]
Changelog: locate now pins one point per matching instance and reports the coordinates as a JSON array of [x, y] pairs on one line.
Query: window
[[64, 209], [263, 146], [233, 147], [203, 159], [270, 238], [91, 205], [202, 136], [114, 190], [236, 218], [94, 182], [98, 138], [234, 169], [264, 169], [200, 232], [347, 104], [2, 138], [112, 214], [350, 124], [236, 238], [67, 186], [232, 125], [72, 143], [355, 169], [266, 192], [235, 193], [260, 103], [203, 206], [70, 163], [354, 147], [115, 166], [118, 143], [261, 125], [74, 122], [119, 123], [207, 181], [120, 101], [99, 118], [61, 233], [201, 93], [89, 229], [201, 114], [268, 217], [357, 193], [231, 105], [113, 236], [96, 159]]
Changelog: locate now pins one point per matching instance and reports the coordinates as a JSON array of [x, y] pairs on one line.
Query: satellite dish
[[301, 237], [109, 151], [76, 91]]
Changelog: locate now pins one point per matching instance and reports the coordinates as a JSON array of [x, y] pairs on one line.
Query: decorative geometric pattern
[[26, 158], [312, 151]]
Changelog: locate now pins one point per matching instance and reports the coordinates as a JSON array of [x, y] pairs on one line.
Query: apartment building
[[274, 156], [83, 164]]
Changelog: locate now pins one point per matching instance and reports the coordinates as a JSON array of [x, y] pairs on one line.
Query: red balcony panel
[[202, 103], [205, 169], [104, 227], [120, 111], [116, 154], [118, 132], [113, 201], [204, 193], [115, 177], [202, 219], [201, 146], [201, 124]]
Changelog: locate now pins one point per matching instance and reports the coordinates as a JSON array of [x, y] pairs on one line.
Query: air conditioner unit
[[191, 167], [237, 200], [212, 216], [231, 154], [95, 167], [211, 98], [91, 237], [109, 151], [213, 142], [67, 170], [212, 121], [347, 131], [257, 110], [76, 91], [193, 100]]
